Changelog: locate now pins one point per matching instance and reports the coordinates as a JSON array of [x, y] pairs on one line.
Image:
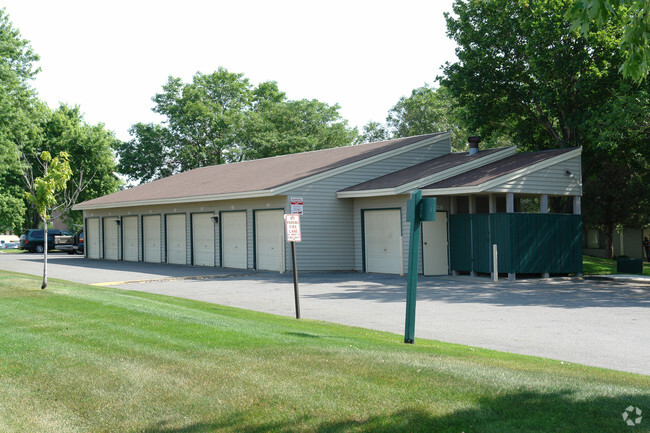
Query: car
[[70, 244], [9, 245], [33, 240]]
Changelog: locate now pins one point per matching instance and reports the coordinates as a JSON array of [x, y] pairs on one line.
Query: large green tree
[[633, 16], [524, 70], [20, 113], [220, 118]]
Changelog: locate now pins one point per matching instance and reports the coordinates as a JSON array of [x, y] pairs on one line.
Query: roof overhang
[[494, 183], [433, 178], [179, 200]]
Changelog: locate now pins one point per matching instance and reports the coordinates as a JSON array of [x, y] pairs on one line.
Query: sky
[[111, 58]]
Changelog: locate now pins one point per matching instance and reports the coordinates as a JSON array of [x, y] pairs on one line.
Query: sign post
[[418, 209], [292, 225]]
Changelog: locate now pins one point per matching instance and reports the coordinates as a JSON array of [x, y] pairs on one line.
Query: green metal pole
[[413, 215]]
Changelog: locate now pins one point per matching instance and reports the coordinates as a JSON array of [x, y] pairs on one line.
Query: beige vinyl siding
[[328, 232], [551, 180]]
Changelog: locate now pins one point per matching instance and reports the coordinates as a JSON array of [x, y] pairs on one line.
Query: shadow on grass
[[515, 412]]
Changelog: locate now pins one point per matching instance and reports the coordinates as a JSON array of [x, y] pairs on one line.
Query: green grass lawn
[[597, 266], [77, 358]]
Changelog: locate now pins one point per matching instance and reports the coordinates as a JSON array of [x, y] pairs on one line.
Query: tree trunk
[[45, 247], [609, 240]]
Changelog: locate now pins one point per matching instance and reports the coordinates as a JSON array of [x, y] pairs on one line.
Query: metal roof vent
[[473, 144]]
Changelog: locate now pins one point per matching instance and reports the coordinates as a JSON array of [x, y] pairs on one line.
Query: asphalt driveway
[[597, 323]]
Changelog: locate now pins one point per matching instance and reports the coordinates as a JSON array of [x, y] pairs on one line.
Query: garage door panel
[[111, 234], [92, 238], [203, 240], [176, 240], [269, 240], [383, 241], [233, 240], [151, 238], [130, 239]]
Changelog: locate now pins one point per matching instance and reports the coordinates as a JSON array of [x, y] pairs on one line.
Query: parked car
[[70, 244], [33, 240], [8, 245]]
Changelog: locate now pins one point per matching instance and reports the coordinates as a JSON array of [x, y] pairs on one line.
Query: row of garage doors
[[169, 239]]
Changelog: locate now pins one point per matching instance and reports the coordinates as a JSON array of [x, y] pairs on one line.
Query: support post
[[417, 210], [543, 203], [295, 279], [495, 264]]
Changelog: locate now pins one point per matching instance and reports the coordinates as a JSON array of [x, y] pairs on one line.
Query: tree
[[524, 71], [428, 110], [20, 113], [634, 18], [221, 118], [617, 185], [374, 131], [56, 173]]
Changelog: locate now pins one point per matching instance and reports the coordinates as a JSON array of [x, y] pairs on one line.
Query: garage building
[[354, 206]]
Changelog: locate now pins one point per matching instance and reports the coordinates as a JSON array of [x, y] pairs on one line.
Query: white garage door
[[434, 245], [383, 241], [111, 234], [233, 240], [130, 238], [91, 243], [203, 239], [176, 240], [151, 238], [269, 240]]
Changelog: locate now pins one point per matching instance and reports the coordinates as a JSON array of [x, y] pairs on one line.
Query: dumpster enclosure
[[527, 243]]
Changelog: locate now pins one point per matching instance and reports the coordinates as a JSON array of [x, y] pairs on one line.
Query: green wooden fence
[[527, 243]]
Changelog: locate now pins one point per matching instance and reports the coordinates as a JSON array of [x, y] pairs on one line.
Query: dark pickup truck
[[70, 244]]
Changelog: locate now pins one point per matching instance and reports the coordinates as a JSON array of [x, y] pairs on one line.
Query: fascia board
[[455, 171], [366, 193], [179, 200], [450, 191], [358, 164]]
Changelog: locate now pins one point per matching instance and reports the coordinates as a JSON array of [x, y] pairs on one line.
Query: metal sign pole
[[295, 279]]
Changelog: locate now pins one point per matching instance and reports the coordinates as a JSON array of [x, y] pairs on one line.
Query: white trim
[[196, 199], [505, 178]]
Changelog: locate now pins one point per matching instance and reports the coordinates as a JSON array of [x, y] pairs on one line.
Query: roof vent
[[473, 144]]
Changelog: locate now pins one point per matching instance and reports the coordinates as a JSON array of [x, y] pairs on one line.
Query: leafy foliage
[[525, 71], [20, 112], [634, 18], [221, 118]]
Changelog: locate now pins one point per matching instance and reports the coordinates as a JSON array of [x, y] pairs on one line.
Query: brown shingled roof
[[421, 170], [497, 169], [250, 176]]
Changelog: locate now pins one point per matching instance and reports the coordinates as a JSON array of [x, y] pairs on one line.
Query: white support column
[[543, 203], [577, 205], [492, 198], [510, 208], [510, 202]]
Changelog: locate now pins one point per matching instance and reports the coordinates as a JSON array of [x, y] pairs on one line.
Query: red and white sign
[[292, 224], [296, 205]]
